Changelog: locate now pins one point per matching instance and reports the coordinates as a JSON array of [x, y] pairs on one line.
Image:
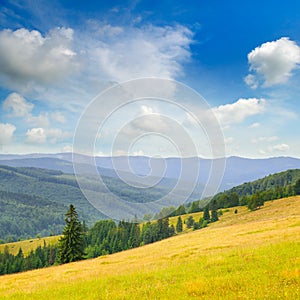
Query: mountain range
[[237, 169]]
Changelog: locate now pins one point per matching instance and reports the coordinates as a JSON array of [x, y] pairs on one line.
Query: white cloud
[[40, 120], [26, 56], [108, 30], [57, 116], [56, 134], [41, 135], [150, 51], [251, 80], [6, 133], [138, 153], [146, 110], [281, 147], [273, 61], [67, 148], [238, 111], [36, 136], [17, 105], [255, 125], [267, 139]]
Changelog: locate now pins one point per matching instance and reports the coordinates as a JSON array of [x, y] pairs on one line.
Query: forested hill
[[254, 193], [33, 201], [23, 215], [275, 182]]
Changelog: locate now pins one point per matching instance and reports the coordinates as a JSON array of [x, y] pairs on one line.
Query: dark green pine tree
[[179, 225], [297, 187], [206, 215], [71, 244], [214, 212], [190, 222]]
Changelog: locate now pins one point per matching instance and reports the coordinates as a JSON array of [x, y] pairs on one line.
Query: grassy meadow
[[248, 255]]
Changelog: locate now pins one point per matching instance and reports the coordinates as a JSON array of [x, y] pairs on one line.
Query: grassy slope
[[251, 255], [29, 245]]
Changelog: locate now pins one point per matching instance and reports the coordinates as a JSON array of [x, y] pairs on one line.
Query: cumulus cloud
[[148, 123], [41, 135], [141, 52], [27, 56], [273, 62], [36, 136], [6, 133], [17, 105], [32, 62], [281, 147], [236, 112]]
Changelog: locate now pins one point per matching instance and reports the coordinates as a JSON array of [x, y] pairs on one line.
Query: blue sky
[[242, 57]]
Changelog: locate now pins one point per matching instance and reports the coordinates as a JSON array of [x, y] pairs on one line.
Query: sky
[[242, 58]]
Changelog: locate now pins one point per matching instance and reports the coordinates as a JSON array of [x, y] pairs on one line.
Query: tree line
[[39, 258], [256, 198], [105, 237]]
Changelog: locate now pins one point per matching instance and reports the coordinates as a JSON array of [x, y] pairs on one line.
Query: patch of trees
[[209, 216], [106, 237], [254, 194], [257, 199], [282, 182], [42, 257]]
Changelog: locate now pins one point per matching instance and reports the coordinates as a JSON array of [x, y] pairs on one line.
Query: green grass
[[249, 255]]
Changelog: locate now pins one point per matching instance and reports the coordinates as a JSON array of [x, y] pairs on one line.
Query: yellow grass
[[29, 245], [249, 255]]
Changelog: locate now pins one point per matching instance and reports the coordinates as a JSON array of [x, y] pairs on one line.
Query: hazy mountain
[[238, 170]]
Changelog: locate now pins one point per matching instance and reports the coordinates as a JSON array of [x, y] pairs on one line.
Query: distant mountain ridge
[[237, 171]]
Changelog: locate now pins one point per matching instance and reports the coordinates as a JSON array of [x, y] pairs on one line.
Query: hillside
[[270, 182], [23, 215], [248, 255], [33, 200]]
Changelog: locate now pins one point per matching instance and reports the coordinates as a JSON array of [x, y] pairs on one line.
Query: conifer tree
[[214, 212], [206, 215], [297, 187], [190, 222], [71, 244], [179, 225]]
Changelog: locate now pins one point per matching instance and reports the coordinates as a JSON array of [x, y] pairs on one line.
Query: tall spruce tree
[[297, 187], [71, 244], [214, 212], [179, 225], [206, 215]]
